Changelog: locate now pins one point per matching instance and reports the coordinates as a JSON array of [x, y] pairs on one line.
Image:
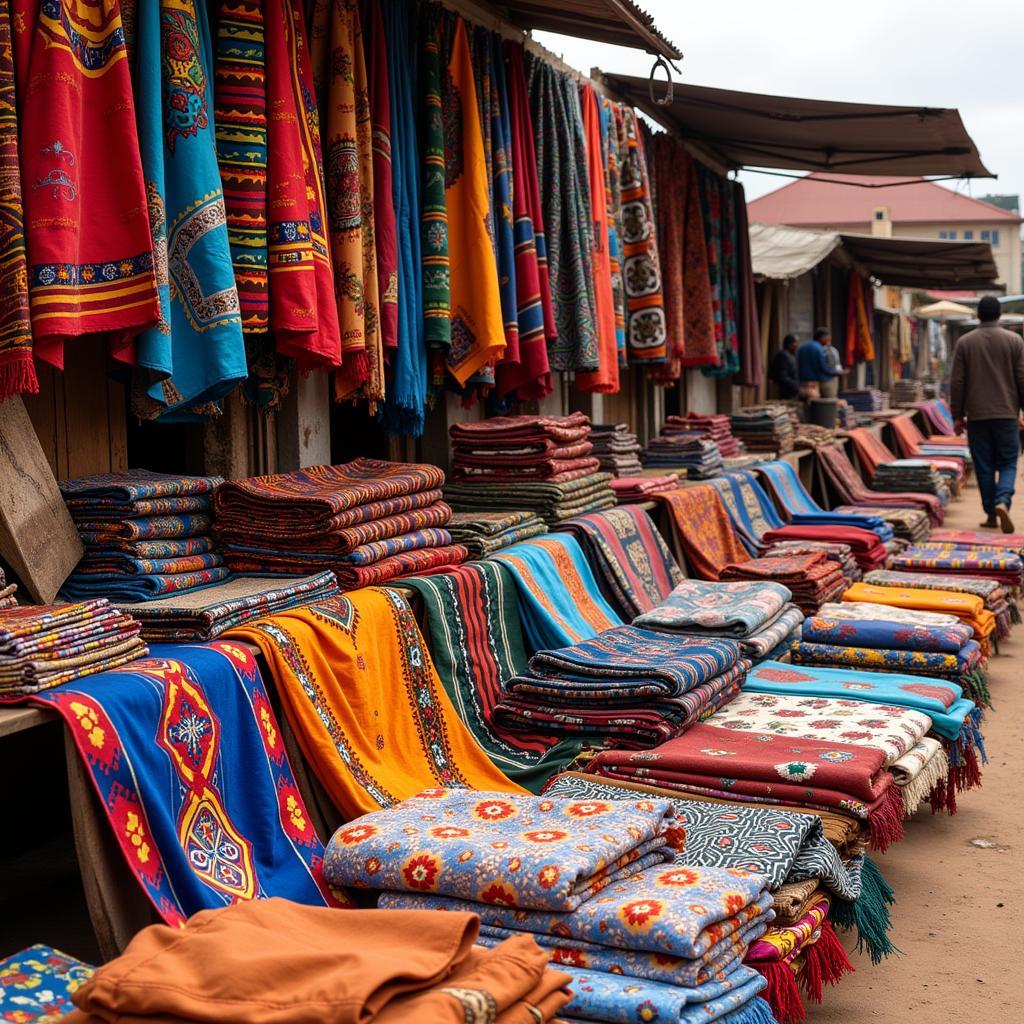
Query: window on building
[[968, 235], [952, 236], [943, 234], [995, 236], [879, 214], [986, 236]]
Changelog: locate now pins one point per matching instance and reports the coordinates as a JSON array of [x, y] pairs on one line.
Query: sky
[[930, 53]]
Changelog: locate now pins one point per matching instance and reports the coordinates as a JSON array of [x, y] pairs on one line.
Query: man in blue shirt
[[813, 365]]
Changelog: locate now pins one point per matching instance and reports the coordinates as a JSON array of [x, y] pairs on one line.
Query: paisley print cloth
[[702, 526], [886, 635], [534, 853]]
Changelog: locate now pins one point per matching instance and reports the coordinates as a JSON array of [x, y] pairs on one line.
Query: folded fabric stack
[[45, 645], [867, 549], [908, 524], [616, 448], [553, 502], [873, 453], [970, 538], [946, 652], [507, 449], [38, 984], [633, 489], [145, 535], [632, 687], [741, 461], [864, 399], [591, 881], [262, 960], [812, 579], [483, 533], [810, 435], [368, 521], [914, 445], [841, 553], [990, 563], [697, 454], [910, 474], [7, 592], [905, 392], [715, 427], [205, 614], [764, 428], [757, 616]]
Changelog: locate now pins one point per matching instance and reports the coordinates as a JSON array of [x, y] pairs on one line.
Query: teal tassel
[[979, 685], [869, 913]]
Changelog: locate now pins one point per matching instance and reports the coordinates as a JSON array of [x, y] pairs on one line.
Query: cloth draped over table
[[702, 524], [364, 700]]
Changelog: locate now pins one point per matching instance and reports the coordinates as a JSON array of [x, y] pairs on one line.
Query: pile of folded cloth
[[904, 392], [841, 553], [864, 399], [715, 426], [627, 686], [910, 524], [508, 449], [145, 535], [483, 533], [973, 538], [740, 462], [616, 448], [915, 475], [631, 489], [764, 428], [45, 645], [264, 960], [810, 435], [553, 502], [7, 592], [879, 645], [757, 616], [204, 614], [367, 521], [594, 882], [993, 563], [694, 453], [812, 579], [867, 548], [38, 984]]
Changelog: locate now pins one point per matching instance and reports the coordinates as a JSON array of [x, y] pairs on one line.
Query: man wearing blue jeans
[[986, 388]]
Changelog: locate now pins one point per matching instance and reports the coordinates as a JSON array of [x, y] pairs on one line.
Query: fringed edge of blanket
[[886, 821], [782, 993], [931, 780], [825, 963], [964, 754], [975, 683], [868, 913]]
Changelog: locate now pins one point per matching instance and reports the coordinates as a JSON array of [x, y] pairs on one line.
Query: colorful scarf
[[750, 509], [559, 599], [534, 853], [76, 107], [717, 208], [703, 528], [788, 487], [736, 610], [365, 703], [613, 199], [477, 643], [303, 305], [195, 833], [342, 91], [17, 370], [633, 561]]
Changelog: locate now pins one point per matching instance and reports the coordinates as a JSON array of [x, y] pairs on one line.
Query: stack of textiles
[[592, 881], [145, 535], [741, 462], [368, 521], [810, 435], [909, 524], [946, 652], [954, 560], [633, 564], [864, 399], [42, 646], [7, 592], [483, 533], [812, 579], [906, 392], [205, 614], [913, 444], [632, 687], [970, 538], [633, 489], [553, 502], [757, 616], [913, 474], [508, 449], [616, 448], [771, 769], [694, 453], [267, 960], [845, 415], [715, 426], [764, 428], [841, 553], [868, 550], [38, 984], [873, 454]]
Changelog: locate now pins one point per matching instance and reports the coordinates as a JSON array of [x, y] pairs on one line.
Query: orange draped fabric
[[703, 526]]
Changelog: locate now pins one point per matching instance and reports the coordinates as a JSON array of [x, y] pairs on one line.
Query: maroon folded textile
[[642, 488], [551, 472], [869, 552], [503, 430]]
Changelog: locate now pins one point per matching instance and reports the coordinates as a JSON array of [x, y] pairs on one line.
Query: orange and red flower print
[[293, 815], [494, 810], [372, 865], [568, 957], [548, 876], [498, 894], [356, 834], [448, 832], [420, 872], [678, 877], [588, 809], [640, 915], [733, 902], [549, 835]]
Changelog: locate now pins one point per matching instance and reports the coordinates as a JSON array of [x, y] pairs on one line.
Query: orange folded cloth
[[277, 962]]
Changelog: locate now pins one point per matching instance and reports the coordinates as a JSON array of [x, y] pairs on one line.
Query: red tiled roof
[[809, 202]]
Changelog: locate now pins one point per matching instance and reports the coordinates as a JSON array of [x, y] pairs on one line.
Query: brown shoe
[[1005, 522], [989, 524]]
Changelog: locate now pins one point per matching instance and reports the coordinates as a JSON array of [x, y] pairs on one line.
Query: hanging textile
[[196, 353], [613, 200], [558, 138], [76, 109], [406, 389], [17, 370], [669, 215], [339, 78], [751, 354], [718, 215], [860, 346], [645, 311], [240, 117], [530, 377], [303, 310], [605, 380]]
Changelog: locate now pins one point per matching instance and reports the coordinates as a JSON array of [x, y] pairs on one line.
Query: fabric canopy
[[745, 129]]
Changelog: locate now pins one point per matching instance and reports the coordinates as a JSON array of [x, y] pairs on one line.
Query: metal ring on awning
[[665, 100]]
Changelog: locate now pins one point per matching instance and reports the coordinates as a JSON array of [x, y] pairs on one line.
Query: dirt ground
[[959, 882]]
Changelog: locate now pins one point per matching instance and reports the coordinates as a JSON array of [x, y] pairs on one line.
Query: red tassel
[[966, 775], [943, 797], [18, 377], [782, 993], [886, 821], [824, 963]]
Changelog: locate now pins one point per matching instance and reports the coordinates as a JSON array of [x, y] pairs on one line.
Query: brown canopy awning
[[746, 129]]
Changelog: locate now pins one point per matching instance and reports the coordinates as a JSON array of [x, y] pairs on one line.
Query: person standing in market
[[783, 369], [830, 388], [813, 366], [986, 392]]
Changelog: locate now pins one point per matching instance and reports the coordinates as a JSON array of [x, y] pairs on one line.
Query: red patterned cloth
[[703, 526]]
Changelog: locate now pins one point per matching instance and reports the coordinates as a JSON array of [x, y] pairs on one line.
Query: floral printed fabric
[[36, 985], [497, 848], [867, 611], [784, 943], [893, 730], [886, 635], [735, 610], [948, 666]]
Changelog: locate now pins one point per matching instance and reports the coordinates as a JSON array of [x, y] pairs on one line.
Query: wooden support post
[[304, 424]]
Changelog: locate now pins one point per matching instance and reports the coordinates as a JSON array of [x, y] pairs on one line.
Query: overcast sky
[[877, 51]]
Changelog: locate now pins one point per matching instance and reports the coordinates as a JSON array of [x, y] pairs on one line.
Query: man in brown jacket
[[986, 388]]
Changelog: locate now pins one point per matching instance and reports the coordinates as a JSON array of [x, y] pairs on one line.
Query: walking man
[[816, 376], [783, 369], [986, 389]]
